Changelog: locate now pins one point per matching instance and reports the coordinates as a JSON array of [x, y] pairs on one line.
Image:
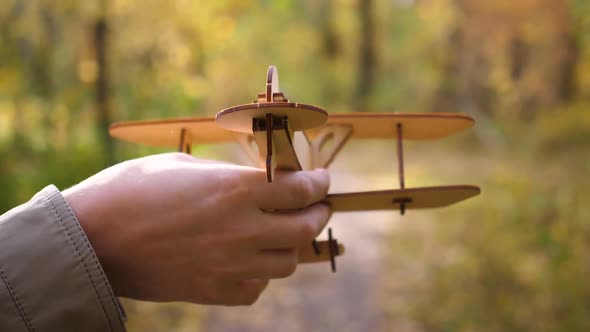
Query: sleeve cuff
[[49, 265]]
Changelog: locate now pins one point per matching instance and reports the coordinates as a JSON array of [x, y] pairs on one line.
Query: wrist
[[84, 209]]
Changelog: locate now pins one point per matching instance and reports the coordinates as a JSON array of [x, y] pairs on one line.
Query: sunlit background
[[516, 258]]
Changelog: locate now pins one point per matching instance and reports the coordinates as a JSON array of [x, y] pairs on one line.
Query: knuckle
[[302, 192], [206, 296], [221, 272], [207, 270], [180, 156], [212, 271], [307, 231], [288, 268], [233, 185], [252, 297], [248, 299], [250, 293]]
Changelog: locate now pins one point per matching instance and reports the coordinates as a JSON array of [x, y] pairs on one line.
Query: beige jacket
[[50, 278]]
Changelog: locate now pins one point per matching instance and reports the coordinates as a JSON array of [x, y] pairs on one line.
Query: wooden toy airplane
[[271, 121]]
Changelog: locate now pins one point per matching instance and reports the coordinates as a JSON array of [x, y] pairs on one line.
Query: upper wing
[[204, 130], [416, 126], [166, 133]]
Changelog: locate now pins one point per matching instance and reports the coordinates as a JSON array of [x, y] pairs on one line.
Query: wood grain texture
[[416, 126], [421, 198], [166, 133]]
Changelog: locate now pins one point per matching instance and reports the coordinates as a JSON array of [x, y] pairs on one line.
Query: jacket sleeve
[[50, 278]]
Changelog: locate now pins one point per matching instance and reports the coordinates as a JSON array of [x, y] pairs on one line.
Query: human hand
[[175, 228]]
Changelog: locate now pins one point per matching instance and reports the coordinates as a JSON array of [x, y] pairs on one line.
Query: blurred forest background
[[517, 258]]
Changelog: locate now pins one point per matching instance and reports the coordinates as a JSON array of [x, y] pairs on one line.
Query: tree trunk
[[330, 40], [103, 103], [367, 58], [567, 43]]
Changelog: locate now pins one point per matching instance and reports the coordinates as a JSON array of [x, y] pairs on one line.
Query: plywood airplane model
[[271, 122]]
